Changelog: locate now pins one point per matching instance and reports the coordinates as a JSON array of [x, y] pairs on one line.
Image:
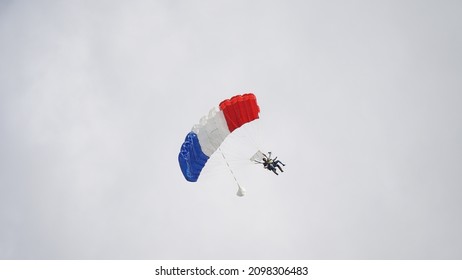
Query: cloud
[[360, 101]]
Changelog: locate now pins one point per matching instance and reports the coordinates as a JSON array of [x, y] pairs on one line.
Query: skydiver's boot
[[274, 170], [280, 168]]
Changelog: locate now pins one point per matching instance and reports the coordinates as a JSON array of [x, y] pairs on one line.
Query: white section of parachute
[[211, 131]]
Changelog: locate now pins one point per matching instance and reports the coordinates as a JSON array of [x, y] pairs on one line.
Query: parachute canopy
[[205, 138]]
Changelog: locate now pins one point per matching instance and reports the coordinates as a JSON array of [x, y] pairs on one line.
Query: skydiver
[[268, 164], [271, 164]]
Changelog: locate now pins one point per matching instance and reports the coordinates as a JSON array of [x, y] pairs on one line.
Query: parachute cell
[[205, 137]]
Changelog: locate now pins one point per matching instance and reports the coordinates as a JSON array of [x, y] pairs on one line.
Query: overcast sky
[[361, 99]]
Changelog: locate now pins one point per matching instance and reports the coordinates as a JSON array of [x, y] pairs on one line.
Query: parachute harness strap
[[240, 191]]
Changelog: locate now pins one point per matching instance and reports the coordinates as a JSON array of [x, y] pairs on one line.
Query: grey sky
[[361, 99]]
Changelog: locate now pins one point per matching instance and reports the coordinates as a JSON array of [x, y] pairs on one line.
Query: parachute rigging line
[[241, 190]]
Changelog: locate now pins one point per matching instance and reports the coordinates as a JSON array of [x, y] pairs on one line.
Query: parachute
[[206, 137]]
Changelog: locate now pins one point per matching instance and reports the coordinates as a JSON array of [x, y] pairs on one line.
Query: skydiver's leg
[[279, 162], [271, 168], [278, 166]]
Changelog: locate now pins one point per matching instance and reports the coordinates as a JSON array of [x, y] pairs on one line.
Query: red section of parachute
[[240, 109]]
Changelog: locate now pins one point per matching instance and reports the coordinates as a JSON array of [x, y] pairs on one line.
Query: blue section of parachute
[[191, 157]]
